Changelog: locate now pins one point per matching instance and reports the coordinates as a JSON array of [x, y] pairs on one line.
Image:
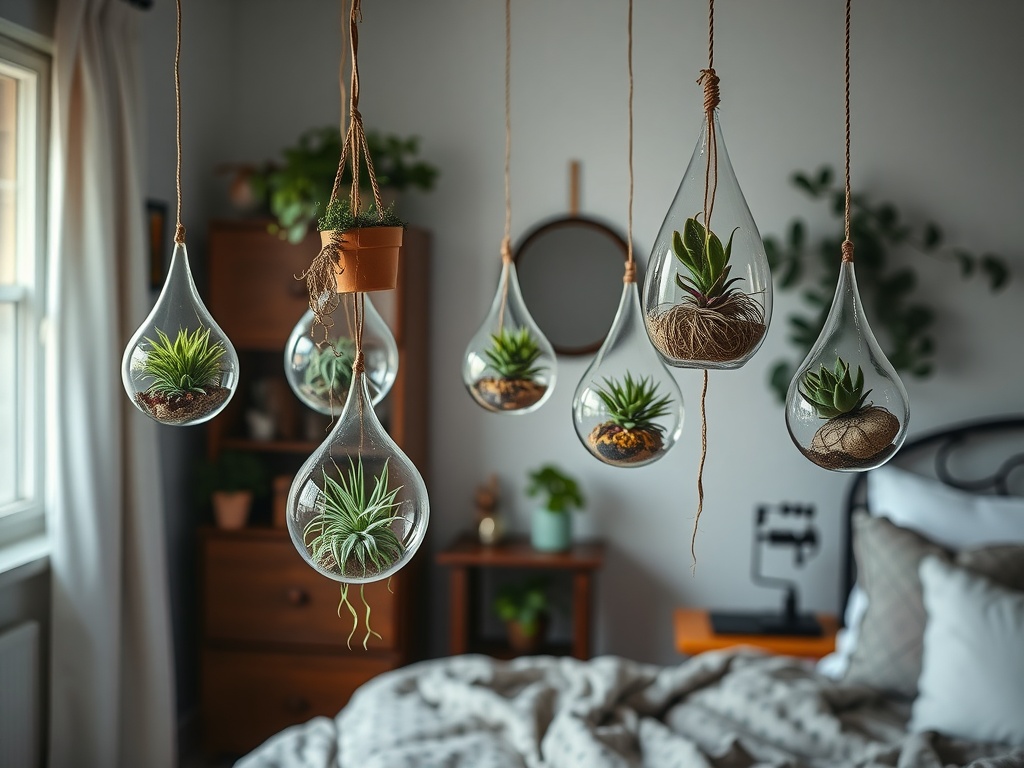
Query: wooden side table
[[693, 635], [466, 557]]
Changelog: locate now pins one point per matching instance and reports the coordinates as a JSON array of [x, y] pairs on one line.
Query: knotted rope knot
[[847, 251], [179, 234], [629, 276], [506, 251], [357, 364], [356, 115], [710, 81]]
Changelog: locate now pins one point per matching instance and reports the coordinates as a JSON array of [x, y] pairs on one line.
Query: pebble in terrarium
[[632, 434], [512, 377]]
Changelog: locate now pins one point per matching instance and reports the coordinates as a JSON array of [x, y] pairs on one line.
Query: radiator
[[19, 696]]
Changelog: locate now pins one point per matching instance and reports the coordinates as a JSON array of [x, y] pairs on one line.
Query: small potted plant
[[362, 246], [524, 609], [185, 376], [231, 482], [855, 433], [511, 356], [715, 322], [551, 525], [630, 433]]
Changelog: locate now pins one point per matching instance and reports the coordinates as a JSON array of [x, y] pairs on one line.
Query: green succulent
[[190, 363], [328, 372], [634, 403], [707, 260], [512, 354], [338, 217], [834, 392]]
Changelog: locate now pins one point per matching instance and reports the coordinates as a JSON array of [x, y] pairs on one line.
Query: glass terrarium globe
[[180, 368], [627, 409], [320, 375], [708, 296], [846, 409], [509, 365], [358, 508]]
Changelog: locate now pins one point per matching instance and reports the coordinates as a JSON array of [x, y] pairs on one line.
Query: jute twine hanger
[[847, 247], [629, 276], [506, 241], [179, 229]]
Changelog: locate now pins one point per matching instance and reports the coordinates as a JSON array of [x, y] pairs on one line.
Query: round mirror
[[570, 275]]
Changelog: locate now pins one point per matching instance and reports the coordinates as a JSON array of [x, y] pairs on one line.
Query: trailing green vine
[[901, 317]]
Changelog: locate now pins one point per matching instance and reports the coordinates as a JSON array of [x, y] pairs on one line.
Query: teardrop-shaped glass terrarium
[[320, 374], [180, 368], [708, 294], [846, 408], [627, 409], [358, 507], [509, 366]]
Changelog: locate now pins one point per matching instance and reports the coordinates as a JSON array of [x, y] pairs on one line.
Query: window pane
[[8, 410], [8, 176]]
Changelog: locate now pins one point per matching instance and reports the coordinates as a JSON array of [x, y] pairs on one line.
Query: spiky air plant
[[328, 373], [184, 375], [630, 434], [855, 433], [512, 356], [354, 534]]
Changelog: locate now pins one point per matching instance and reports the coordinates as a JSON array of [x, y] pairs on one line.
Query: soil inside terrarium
[[179, 409], [507, 394], [843, 460], [721, 335], [623, 447], [352, 570]]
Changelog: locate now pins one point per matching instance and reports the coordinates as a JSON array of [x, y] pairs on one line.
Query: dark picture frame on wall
[[156, 230]]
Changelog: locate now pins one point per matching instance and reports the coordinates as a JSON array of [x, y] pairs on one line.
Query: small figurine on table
[[490, 526]]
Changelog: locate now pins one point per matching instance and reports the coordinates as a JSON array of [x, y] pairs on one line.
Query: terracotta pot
[[369, 258], [523, 643], [231, 509]]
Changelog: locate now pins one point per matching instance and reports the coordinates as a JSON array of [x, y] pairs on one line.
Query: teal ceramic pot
[[550, 531]]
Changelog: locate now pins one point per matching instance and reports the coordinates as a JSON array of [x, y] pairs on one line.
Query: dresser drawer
[[257, 588], [248, 697]]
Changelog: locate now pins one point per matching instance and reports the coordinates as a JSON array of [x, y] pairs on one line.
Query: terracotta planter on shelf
[[231, 509], [520, 642], [368, 259]]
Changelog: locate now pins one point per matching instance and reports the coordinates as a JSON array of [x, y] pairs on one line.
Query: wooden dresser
[[273, 649]]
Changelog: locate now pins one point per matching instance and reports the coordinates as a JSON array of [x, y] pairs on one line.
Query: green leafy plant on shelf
[[855, 432], [525, 609], [354, 534], [184, 375], [512, 356], [296, 190], [561, 492], [887, 277], [631, 432], [328, 373]]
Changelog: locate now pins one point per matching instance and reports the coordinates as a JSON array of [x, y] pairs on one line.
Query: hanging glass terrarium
[[509, 365], [320, 374], [846, 408], [708, 293], [179, 367], [627, 409]]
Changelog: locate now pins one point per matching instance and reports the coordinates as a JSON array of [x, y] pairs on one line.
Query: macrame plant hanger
[[846, 408], [358, 508], [509, 365], [627, 408], [179, 368]]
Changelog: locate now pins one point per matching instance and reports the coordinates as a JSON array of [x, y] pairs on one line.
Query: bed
[[929, 671]]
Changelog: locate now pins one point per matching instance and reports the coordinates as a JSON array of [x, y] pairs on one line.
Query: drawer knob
[[297, 596], [296, 705]]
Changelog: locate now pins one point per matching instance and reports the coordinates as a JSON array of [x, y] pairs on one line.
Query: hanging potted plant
[[551, 525], [525, 610], [363, 246], [511, 359], [630, 433], [231, 482], [855, 434], [184, 376]]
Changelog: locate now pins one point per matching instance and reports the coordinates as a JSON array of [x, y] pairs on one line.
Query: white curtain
[[112, 700]]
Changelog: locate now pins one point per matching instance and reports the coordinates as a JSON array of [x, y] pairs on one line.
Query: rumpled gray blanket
[[720, 710]]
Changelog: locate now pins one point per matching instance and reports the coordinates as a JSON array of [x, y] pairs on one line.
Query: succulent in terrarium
[[631, 433], [354, 534], [715, 321], [184, 376], [328, 373], [512, 356], [855, 431]]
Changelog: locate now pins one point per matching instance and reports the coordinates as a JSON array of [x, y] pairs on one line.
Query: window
[[24, 97]]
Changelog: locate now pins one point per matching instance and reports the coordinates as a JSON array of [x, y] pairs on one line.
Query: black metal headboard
[[940, 448]]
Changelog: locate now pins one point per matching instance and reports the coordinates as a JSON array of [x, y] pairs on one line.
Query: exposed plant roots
[[355, 616], [720, 335], [321, 282]]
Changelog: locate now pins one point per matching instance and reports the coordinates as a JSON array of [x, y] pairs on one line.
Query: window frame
[[28, 57]]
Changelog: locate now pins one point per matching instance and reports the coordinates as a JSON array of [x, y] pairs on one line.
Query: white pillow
[[972, 675], [951, 518]]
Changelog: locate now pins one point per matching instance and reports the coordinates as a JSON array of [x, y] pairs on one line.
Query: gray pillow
[[888, 651]]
